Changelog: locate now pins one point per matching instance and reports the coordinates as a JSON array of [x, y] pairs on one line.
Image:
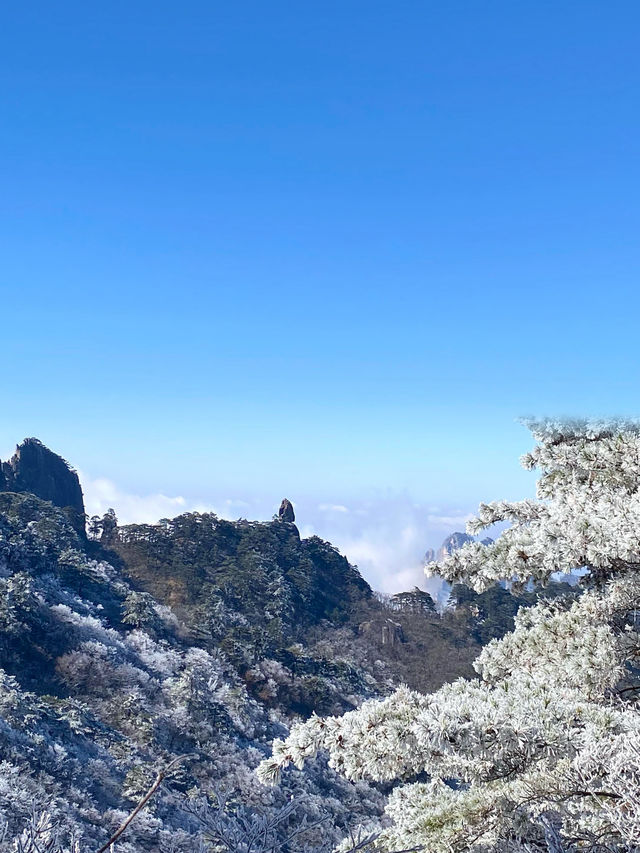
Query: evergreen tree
[[109, 528], [415, 600], [542, 750]]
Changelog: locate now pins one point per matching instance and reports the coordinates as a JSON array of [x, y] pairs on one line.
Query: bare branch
[[162, 774]]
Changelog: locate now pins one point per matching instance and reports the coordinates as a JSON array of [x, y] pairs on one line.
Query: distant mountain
[[451, 544]]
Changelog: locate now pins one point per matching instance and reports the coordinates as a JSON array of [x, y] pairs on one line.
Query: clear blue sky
[[316, 249]]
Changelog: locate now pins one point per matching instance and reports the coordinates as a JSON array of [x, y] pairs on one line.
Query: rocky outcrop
[[286, 513], [451, 544], [388, 633], [36, 469], [392, 633]]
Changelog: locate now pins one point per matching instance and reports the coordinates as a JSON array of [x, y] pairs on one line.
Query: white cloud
[[101, 493], [333, 508], [385, 536], [391, 561]]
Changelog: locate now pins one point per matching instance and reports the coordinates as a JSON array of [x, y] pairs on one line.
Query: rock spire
[[286, 513]]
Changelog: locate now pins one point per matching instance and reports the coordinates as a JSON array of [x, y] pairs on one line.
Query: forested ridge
[[102, 687]]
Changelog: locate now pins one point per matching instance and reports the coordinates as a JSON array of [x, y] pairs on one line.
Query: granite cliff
[[35, 469]]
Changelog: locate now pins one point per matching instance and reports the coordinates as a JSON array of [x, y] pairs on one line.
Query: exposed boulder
[[36, 469], [286, 513]]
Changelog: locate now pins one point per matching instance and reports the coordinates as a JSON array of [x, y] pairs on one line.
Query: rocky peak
[[286, 513], [36, 469], [451, 543]]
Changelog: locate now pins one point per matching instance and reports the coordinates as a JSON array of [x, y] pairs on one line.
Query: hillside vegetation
[[199, 641]]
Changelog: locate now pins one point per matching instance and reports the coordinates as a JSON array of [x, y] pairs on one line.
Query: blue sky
[[328, 250]]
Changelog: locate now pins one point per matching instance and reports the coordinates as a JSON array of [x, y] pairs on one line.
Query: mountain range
[[191, 643]]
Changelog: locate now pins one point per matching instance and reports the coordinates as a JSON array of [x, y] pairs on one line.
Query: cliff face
[[36, 469]]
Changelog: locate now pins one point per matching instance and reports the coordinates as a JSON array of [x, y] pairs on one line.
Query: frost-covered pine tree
[[542, 750]]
